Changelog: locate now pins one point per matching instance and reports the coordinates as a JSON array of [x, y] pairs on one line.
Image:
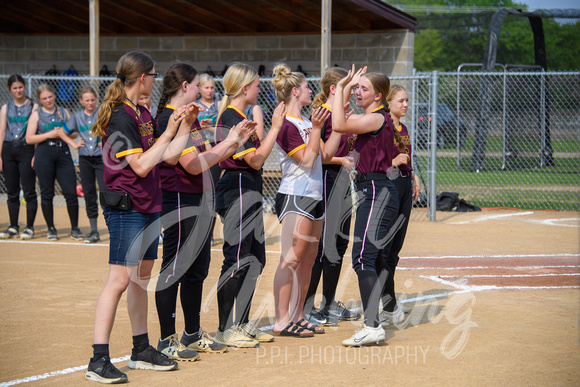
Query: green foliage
[[443, 41]]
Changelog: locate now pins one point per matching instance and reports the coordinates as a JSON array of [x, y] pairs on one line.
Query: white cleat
[[365, 336]]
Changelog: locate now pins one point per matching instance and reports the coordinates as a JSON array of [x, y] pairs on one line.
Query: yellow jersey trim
[[327, 107], [239, 155], [170, 107], [298, 118], [296, 149], [379, 108], [188, 150], [243, 115], [129, 152]]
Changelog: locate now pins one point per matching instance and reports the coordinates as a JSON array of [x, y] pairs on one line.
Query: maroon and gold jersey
[[174, 177], [346, 140], [231, 117], [407, 141], [129, 132], [375, 150]]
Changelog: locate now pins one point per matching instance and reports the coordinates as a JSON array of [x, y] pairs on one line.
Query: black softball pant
[[390, 256], [91, 170], [186, 219], [17, 166], [335, 235], [375, 225], [55, 163], [239, 204]]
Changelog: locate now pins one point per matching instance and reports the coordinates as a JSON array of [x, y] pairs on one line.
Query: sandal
[[294, 330], [309, 326]]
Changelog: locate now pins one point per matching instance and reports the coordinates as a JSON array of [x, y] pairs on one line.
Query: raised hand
[[319, 116], [278, 116], [357, 76], [206, 124], [242, 132]]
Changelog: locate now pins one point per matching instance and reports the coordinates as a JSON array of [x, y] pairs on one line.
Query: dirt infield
[[493, 296]]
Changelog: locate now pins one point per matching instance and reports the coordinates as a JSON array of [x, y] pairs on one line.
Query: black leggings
[[91, 171], [186, 219], [16, 161], [55, 163], [390, 256], [334, 238]]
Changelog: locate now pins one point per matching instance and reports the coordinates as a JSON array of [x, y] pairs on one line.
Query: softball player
[[188, 207], [376, 217], [90, 156], [17, 155], [299, 202], [408, 186], [132, 149], [336, 227], [239, 204], [52, 160]]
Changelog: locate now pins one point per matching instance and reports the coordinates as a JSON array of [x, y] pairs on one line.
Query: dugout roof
[[194, 17]]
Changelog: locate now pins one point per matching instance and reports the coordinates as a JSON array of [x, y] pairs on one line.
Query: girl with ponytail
[[132, 150], [187, 219], [336, 227], [239, 204]]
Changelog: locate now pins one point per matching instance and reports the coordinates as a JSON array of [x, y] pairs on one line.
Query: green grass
[[524, 186]]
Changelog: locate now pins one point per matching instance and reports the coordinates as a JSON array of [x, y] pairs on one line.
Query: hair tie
[[121, 77], [228, 95]]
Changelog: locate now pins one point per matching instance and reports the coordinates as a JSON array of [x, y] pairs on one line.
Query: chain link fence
[[502, 139]]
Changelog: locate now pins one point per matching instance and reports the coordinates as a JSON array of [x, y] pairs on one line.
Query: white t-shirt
[[297, 180]]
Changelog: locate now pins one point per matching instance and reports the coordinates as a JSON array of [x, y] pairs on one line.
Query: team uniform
[[239, 204], [133, 233], [16, 160], [211, 113], [392, 313], [300, 190], [377, 210], [90, 162], [187, 215], [53, 161], [335, 233]]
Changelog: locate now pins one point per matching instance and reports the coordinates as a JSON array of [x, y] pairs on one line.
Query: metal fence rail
[[507, 138]]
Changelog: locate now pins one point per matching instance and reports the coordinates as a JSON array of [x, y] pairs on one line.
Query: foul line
[[480, 288], [56, 373]]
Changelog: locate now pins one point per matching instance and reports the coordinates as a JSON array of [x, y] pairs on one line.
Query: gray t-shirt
[[17, 121], [81, 122]]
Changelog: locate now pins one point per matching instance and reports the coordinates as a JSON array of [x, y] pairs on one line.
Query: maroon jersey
[[407, 141], [127, 133], [346, 140], [375, 151], [174, 177], [230, 117]]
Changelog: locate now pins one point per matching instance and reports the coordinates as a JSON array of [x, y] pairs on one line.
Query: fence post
[[433, 158]]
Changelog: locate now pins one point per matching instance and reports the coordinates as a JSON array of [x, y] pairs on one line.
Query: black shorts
[[301, 205]]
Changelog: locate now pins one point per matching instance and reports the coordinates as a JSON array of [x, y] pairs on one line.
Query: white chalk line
[[488, 267], [479, 288], [510, 275], [56, 373], [557, 222], [489, 217]]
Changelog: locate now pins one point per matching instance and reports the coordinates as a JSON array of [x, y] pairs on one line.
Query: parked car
[[446, 126]]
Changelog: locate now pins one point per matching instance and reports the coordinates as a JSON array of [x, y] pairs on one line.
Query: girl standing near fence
[[90, 157], [132, 150], [338, 210], [208, 119], [377, 212], [408, 186], [239, 204], [299, 202], [52, 160], [188, 213], [17, 155]]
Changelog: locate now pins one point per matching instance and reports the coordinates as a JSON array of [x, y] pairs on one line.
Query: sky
[[552, 4]]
